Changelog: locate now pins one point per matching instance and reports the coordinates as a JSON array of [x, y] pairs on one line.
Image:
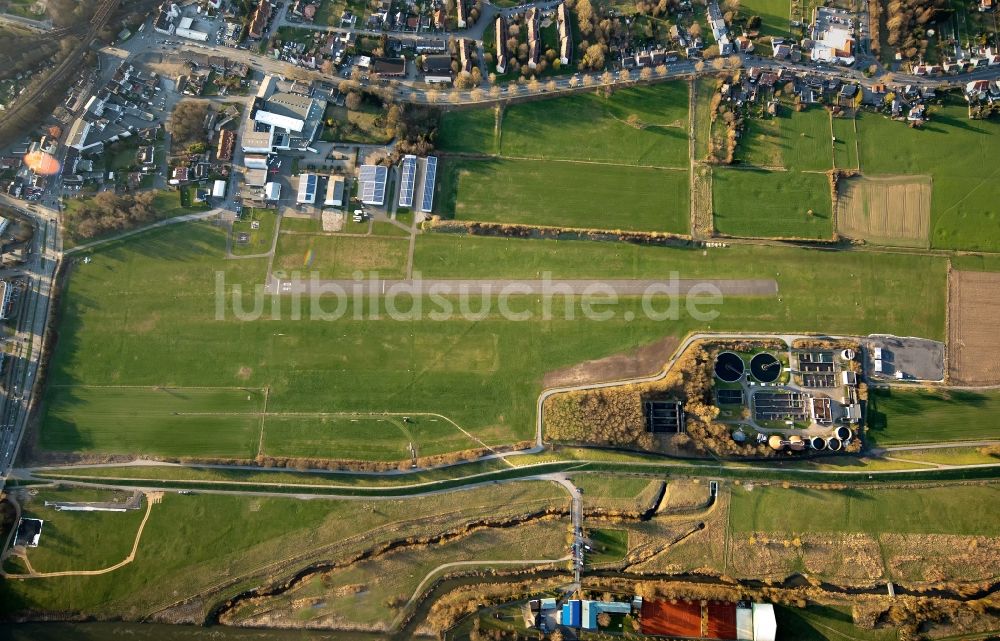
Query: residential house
[[500, 28], [534, 37], [565, 34], [850, 96]]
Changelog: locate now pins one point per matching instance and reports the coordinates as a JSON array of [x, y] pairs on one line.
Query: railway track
[[68, 65]]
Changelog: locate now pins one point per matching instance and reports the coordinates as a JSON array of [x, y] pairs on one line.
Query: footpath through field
[[151, 498]]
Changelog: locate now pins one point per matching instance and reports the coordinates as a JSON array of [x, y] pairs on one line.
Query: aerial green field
[[338, 257], [901, 416], [795, 140], [809, 281], [237, 536], [964, 509], [949, 148], [774, 15], [565, 194], [165, 421], [825, 623], [590, 127], [484, 373], [772, 203], [361, 438], [609, 546], [972, 263], [845, 147], [106, 537], [617, 492], [259, 239], [472, 131]]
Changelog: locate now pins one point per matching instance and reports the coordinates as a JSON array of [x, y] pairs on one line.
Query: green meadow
[[950, 148], [903, 416], [562, 194]]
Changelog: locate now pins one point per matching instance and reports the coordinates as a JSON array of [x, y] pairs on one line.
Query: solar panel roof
[[372, 179], [409, 169], [430, 175]]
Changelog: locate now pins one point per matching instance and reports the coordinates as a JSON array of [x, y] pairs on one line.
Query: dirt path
[[151, 498]]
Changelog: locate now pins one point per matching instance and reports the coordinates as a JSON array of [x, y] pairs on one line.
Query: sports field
[[962, 510], [565, 194], [364, 438], [770, 204], [333, 257], [164, 421], [949, 148], [902, 416]]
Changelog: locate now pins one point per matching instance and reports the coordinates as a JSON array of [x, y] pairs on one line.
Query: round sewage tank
[[843, 432], [795, 442], [775, 442], [765, 367], [833, 444], [740, 436], [729, 367], [817, 443], [847, 354]]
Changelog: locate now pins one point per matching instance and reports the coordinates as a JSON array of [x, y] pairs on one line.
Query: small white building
[[219, 189], [272, 192], [765, 626]]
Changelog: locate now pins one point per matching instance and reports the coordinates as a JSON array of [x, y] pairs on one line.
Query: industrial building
[[372, 179], [255, 161], [292, 119], [307, 189], [6, 291]]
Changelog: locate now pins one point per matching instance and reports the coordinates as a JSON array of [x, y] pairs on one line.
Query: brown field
[[930, 558], [642, 361], [973, 344], [890, 210], [842, 558]]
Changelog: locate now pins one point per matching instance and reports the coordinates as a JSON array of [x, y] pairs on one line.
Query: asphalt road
[[534, 287], [40, 270]]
